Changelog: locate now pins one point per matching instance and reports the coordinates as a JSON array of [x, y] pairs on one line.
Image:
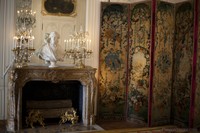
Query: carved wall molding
[[18, 77]]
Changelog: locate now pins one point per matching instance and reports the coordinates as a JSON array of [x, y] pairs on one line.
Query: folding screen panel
[[162, 83], [124, 63], [139, 61], [183, 53], [197, 96], [122, 24], [113, 61]]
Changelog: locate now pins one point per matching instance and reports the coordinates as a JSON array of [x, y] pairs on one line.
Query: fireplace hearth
[[31, 85], [51, 99]]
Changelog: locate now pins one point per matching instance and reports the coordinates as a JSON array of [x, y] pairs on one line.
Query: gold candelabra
[[23, 47], [22, 51], [78, 48]]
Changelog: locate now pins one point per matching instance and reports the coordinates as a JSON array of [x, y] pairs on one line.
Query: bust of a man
[[49, 50]]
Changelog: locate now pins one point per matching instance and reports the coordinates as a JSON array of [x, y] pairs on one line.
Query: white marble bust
[[49, 51]]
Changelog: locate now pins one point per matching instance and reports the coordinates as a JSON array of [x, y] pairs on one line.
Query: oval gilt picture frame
[[59, 7]]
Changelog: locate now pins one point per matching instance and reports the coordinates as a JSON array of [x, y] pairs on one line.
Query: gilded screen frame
[[71, 14]]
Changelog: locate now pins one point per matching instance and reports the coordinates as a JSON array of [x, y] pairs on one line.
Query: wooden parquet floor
[[112, 125], [106, 126], [118, 127]]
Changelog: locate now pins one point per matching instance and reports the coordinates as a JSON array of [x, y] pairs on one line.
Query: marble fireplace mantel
[[18, 77]]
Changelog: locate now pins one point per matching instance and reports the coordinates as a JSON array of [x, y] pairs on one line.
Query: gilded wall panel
[[197, 96], [183, 53], [162, 83], [139, 61], [113, 61]]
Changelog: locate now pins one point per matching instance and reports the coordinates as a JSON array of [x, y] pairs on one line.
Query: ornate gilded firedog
[[34, 116], [69, 116]]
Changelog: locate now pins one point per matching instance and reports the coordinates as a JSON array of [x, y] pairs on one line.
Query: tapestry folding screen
[[138, 61], [163, 62], [125, 38], [197, 96], [183, 53], [113, 61], [125, 64]]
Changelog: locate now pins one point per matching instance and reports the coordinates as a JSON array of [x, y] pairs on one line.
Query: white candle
[[65, 44], [70, 42], [73, 43], [78, 43], [28, 43], [87, 44], [90, 46], [14, 42], [32, 41], [69, 45], [20, 45], [81, 29]]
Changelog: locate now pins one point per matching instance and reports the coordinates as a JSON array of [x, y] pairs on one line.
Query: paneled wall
[[64, 25], [2, 98], [7, 10]]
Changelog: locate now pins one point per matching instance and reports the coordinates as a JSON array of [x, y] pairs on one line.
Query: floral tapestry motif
[[164, 61], [182, 62], [139, 62], [162, 79], [112, 61], [140, 25], [139, 74], [112, 94]]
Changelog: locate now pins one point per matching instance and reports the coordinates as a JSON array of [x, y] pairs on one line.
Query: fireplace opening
[[62, 94]]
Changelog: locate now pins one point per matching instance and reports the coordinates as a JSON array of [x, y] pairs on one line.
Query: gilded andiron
[[34, 116], [69, 115]]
